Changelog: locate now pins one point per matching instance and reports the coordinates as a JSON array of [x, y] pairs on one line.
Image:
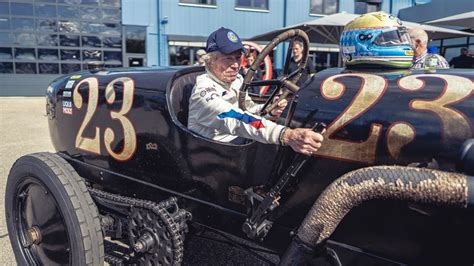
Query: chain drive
[[151, 216]]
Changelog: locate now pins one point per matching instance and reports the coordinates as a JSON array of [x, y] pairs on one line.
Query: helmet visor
[[393, 38]]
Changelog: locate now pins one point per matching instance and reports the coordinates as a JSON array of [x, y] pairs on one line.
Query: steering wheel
[[287, 81]]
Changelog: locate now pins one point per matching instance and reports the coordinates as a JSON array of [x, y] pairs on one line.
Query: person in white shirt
[[214, 112], [419, 43]]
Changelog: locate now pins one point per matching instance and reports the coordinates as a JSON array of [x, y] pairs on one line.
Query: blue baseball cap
[[223, 40]]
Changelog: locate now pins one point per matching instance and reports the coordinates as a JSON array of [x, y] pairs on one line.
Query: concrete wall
[[24, 84]]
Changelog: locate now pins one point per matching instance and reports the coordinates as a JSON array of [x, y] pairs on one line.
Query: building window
[[20, 9], [183, 55], [325, 7], [48, 54], [47, 11], [252, 4], [25, 54], [6, 68], [92, 55], [4, 24], [6, 39], [366, 6], [25, 39], [25, 68], [4, 9], [48, 68], [59, 36], [199, 2], [69, 68], [6, 53], [112, 57], [135, 37]]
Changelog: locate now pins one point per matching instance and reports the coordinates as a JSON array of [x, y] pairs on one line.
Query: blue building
[[179, 27], [42, 39]]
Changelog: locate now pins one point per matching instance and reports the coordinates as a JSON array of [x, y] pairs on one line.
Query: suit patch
[[212, 97], [245, 118]]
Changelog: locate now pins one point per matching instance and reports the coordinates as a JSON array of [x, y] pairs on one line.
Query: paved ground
[[23, 130]]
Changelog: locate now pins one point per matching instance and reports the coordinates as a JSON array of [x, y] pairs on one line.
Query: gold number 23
[[93, 144]]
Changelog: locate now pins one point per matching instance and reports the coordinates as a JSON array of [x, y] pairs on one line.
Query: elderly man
[[419, 43], [213, 109]]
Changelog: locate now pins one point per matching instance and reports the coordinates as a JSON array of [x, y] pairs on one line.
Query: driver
[[213, 105]]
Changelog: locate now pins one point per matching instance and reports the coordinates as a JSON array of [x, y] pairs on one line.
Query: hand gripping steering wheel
[[287, 81]]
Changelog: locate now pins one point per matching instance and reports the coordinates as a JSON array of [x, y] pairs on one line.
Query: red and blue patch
[[247, 119]]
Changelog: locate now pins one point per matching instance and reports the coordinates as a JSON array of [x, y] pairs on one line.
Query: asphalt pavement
[[23, 130]]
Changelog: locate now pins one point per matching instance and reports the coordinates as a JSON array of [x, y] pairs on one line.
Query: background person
[[250, 59], [309, 70], [213, 107], [421, 57], [464, 60], [199, 57]]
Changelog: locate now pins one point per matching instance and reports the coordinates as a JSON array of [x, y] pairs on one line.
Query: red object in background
[[267, 62]]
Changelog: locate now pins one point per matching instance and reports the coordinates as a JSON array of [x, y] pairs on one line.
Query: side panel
[[115, 122], [118, 129]]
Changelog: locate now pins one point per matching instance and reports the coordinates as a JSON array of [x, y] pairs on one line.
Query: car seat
[[180, 93]]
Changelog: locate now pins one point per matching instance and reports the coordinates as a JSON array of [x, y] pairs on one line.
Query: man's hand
[[303, 140], [279, 108]]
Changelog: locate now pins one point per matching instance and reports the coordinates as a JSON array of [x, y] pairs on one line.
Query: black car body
[[121, 137], [124, 132]]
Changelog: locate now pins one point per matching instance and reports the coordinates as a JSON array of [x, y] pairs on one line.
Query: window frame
[[198, 5], [323, 14], [253, 9], [127, 34]]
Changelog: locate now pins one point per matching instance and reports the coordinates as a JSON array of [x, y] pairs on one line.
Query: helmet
[[376, 39]]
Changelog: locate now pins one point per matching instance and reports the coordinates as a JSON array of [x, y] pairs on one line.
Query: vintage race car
[[128, 172]]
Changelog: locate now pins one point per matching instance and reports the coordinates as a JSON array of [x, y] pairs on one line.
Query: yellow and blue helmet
[[376, 39]]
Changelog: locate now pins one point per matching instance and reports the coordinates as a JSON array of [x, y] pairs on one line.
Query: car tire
[[51, 217]]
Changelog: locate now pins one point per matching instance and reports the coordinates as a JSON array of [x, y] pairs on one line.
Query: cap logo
[[211, 47], [232, 37]]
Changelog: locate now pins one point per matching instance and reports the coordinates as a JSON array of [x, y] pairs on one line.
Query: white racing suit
[[214, 113]]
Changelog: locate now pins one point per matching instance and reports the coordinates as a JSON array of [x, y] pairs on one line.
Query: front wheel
[[50, 214]]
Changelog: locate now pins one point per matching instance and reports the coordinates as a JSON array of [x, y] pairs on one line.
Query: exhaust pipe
[[419, 185]]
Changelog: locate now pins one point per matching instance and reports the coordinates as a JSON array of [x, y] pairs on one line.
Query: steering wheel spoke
[[286, 67], [271, 82]]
